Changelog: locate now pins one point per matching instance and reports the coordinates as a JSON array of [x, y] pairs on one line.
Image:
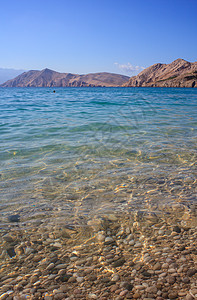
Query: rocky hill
[[49, 78], [179, 73]]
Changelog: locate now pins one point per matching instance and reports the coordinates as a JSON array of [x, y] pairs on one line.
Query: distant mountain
[[49, 78], [179, 73], [6, 74]]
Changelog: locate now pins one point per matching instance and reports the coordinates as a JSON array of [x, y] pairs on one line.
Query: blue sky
[[120, 36]]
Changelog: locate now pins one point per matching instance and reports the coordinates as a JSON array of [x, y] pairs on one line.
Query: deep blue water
[[83, 151]]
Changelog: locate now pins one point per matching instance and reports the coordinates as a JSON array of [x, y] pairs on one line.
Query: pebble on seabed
[[14, 218], [124, 260]]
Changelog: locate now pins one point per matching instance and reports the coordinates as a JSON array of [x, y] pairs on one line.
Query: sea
[[79, 153]]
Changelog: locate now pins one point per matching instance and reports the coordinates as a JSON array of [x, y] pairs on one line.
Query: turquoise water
[[92, 151]]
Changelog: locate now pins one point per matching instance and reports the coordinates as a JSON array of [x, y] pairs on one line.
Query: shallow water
[[93, 151]]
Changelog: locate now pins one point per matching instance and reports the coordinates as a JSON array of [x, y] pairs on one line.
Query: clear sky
[[84, 36]]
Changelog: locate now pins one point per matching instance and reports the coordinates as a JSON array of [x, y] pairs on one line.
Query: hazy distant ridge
[[50, 78], [179, 73], [6, 74]]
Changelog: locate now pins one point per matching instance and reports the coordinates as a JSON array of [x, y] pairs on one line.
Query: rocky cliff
[[49, 78], [179, 73]]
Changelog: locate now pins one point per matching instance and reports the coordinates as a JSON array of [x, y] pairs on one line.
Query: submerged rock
[[11, 252], [14, 218]]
